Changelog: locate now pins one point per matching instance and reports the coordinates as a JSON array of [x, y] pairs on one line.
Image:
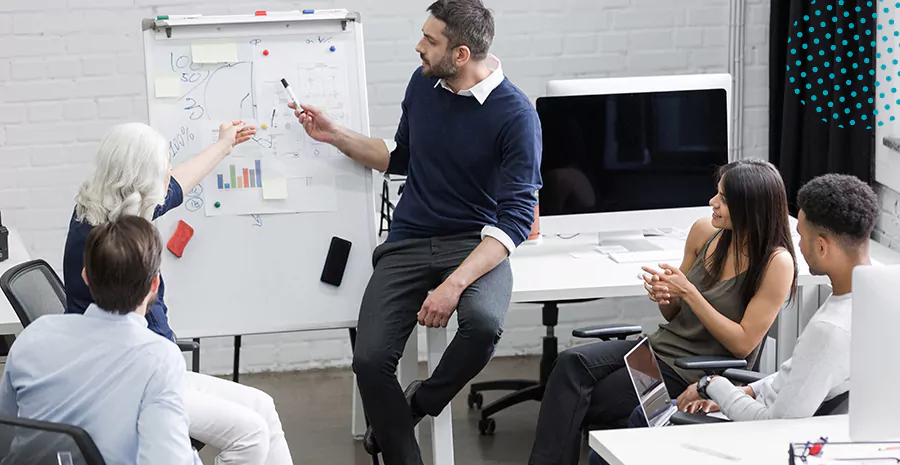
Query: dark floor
[[315, 410]]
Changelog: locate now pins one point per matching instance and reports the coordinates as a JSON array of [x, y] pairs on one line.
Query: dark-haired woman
[[738, 270]]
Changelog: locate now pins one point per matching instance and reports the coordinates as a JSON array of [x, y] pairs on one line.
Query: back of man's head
[[841, 206], [121, 259], [466, 22]]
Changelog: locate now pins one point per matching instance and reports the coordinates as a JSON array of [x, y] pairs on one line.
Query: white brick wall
[[887, 229], [70, 69]]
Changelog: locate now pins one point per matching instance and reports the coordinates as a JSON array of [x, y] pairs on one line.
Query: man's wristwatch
[[702, 385]]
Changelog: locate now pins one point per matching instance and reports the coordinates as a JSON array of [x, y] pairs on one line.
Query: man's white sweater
[[818, 370]]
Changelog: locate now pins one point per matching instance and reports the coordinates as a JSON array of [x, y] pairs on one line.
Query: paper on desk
[[589, 254], [224, 52], [167, 86]]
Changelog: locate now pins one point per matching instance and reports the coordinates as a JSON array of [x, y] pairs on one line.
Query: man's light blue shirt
[[108, 374]]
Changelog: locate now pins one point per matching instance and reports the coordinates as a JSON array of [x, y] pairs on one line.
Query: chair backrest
[[759, 354], [838, 405], [40, 442], [33, 290]]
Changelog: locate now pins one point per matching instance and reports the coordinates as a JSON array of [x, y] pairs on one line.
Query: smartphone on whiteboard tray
[[336, 261]]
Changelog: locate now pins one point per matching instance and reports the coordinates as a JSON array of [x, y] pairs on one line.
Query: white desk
[[9, 322], [753, 442], [549, 273]]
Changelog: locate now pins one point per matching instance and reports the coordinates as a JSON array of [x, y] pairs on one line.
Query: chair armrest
[[620, 331], [684, 418], [187, 346], [709, 363], [742, 376]]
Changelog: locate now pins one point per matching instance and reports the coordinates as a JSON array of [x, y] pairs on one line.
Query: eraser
[[183, 234]]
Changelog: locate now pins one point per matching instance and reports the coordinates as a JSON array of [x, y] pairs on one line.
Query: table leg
[[442, 429], [235, 375]]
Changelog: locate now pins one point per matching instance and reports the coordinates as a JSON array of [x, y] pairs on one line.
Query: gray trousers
[[404, 273]]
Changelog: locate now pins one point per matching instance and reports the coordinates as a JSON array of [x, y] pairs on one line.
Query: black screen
[[642, 151]]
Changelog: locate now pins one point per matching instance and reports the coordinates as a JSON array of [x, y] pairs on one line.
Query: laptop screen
[[648, 382]]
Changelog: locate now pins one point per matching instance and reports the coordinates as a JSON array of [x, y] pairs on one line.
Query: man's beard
[[445, 69]]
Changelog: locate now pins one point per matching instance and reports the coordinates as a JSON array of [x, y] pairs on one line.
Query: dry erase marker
[[291, 94]]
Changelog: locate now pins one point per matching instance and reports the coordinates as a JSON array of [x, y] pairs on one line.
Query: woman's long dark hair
[[757, 204]]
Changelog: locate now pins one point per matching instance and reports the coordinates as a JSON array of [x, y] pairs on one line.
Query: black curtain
[[818, 121]]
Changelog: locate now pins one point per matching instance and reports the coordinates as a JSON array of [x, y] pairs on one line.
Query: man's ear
[[154, 284], [84, 276], [822, 244], [462, 55]]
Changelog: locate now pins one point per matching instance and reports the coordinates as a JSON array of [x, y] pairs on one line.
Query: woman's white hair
[[129, 176]]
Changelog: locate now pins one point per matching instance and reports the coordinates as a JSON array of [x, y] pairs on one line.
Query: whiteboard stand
[[257, 272]]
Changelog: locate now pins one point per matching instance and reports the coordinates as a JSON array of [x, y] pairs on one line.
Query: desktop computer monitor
[[614, 147]]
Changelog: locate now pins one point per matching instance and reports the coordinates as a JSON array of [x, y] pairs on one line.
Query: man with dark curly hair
[[837, 215]]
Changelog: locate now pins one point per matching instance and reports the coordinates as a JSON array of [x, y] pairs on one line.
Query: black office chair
[[523, 390], [838, 405], [34, 290], [43, 443]]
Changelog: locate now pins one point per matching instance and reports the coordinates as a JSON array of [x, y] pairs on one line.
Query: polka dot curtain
[[831, 63], [825, 102]]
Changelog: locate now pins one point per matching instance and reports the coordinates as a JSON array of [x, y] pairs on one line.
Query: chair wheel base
[[475, 400], [487, 426]]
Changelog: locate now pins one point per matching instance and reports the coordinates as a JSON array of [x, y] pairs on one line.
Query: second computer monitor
[[635, 150]]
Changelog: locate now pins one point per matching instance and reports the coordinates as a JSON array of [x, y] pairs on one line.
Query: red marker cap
[[261, 13]]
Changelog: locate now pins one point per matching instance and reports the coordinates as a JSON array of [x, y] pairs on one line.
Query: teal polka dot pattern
[[828, 61]]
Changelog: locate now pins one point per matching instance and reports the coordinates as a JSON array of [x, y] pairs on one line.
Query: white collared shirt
[[483, 89], [108, 374], [480, 92]]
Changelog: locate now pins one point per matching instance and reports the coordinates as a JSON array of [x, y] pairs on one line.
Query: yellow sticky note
[[214, 53], [275, 188], [167, 86]]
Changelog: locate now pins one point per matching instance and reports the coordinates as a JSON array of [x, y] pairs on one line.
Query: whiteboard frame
[[151, 26]]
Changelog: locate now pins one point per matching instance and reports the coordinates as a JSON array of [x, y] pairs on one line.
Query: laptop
[[656, 403]]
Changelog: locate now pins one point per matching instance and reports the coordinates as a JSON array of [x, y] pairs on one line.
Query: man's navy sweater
[[468, 165]]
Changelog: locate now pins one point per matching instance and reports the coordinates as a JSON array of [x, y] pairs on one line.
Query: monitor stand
[[633, 241]]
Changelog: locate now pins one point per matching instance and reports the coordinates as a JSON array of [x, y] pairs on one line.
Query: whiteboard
[[254, 262]]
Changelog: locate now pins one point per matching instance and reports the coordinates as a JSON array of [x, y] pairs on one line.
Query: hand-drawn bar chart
[[240, 178]]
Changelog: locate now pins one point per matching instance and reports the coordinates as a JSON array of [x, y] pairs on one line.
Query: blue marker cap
[[332, 48], [308, 12]]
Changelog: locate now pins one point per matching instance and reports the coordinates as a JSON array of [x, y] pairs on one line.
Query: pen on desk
[[291, 94], [273, 119]]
